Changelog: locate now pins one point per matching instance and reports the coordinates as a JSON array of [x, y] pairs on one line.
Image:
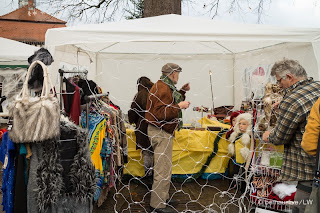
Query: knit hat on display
[[232, 116], [235, 114]]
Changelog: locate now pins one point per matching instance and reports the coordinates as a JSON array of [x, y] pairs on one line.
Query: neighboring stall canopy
[[15, 54], [118, 53]]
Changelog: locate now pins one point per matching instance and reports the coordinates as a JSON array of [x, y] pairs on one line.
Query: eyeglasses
[[279, 81]]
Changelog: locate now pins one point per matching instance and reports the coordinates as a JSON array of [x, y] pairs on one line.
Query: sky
[[294, 13]]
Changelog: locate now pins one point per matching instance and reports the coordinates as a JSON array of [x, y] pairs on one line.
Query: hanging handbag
[[35, 119]]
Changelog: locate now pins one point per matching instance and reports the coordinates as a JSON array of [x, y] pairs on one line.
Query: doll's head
[[243, 124], [233, 121]]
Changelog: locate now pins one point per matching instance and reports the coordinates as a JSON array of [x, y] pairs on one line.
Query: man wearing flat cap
[[164, 116]]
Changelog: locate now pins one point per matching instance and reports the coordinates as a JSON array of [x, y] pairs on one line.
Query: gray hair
[[286, 66]]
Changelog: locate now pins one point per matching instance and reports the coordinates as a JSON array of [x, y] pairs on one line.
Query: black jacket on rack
[[89, 87]]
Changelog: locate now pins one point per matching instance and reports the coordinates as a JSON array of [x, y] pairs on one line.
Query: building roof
[[28, 25], [31, 15]]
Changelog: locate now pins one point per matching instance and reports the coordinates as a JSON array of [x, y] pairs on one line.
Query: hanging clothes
[[123, 136], [105, 133], [32, 204], [68, 97], [72, 101], [89, 87], [20, 185], [97, 132], [7, 154], [116, 127], [107, 153], [53, 189]]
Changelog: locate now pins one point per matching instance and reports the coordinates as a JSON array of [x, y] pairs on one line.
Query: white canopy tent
[[13, 64], [14, 52], [118, 53]]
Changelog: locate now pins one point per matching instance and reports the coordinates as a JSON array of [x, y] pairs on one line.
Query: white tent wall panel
[[303, 52], [316, 49], [69, 57], [118, 74]]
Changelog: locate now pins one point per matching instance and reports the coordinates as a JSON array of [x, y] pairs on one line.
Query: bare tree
[[257, 6], [156, 7], [90, 11], [137, 11], [97, 11]]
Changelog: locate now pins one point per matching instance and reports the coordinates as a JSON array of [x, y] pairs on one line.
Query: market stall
[[118, 53], [237, 57]]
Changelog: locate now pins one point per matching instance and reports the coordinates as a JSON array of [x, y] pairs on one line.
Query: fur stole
[[245, 140], [50, 185]]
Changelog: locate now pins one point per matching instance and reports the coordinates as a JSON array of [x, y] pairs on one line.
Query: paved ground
[[200, 196]]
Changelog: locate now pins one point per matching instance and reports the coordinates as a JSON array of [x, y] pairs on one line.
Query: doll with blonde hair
[[240, 138], [239, 150]]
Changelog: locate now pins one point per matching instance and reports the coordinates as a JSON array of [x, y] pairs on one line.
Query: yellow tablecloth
[[191, 149], [209, 122]]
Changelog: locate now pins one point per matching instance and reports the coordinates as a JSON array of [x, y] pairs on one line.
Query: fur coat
[[53, 183], [245, 137], [137, 112]]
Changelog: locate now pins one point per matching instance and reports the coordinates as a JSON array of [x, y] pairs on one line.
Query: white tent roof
[[118, 53], [15, 52], [175, 34]]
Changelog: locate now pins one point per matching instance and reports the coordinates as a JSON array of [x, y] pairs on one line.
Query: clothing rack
[[95, 96], [88, 99], [4, 114], [61, 71], [72, 71]]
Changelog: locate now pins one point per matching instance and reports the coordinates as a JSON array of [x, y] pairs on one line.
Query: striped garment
[[293, 113]]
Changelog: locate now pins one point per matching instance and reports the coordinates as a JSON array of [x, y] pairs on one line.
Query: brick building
[[27, 24]]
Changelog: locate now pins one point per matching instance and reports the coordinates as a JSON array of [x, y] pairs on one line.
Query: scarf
[[177, 97]]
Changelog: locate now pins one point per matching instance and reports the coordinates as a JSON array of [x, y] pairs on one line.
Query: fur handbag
[[35, 119]]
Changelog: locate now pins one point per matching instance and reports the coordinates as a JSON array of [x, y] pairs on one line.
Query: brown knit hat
[[170, 67]]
